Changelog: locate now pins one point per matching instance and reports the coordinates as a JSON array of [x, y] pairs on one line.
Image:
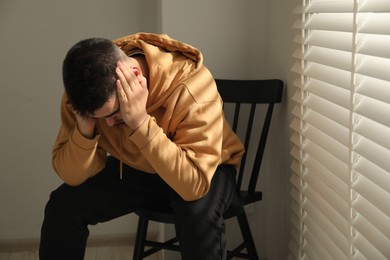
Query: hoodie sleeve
[[188, 158], [74, 157]]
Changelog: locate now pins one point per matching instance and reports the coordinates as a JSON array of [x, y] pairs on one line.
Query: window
[[341, 131]]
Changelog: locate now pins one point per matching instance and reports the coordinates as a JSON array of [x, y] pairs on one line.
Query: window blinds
[[341, 131]]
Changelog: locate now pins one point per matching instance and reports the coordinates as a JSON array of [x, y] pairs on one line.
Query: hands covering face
[[132, 94], [132, 97]]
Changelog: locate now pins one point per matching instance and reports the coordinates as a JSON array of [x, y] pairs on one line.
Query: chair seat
[[158, 213]]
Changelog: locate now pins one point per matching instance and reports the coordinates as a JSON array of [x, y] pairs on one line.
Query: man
[[141, 122]]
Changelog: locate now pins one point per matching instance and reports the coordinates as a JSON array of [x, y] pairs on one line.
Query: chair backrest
[[252, 92]]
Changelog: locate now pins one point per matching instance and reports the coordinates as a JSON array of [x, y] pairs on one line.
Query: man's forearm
[[78, 158]]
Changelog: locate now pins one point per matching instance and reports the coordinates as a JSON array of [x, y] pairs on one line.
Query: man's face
[[110, 111]]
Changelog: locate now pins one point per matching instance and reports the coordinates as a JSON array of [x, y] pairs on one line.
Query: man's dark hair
[[88, 74]]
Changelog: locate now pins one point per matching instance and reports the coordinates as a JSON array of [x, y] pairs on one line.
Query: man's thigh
[[105, 196]]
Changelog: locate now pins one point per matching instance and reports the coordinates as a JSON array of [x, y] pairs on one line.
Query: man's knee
[[62, 202]]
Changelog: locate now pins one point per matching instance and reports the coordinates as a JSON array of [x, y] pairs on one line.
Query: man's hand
[[132, 94], [86, 125]]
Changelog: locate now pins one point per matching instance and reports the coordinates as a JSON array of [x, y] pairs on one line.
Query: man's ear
[[137, 71]]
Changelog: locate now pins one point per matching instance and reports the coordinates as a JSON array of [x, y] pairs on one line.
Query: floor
[[97, 253]]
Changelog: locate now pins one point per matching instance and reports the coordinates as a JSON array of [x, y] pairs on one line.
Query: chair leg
[[247, 235], [140, 238]]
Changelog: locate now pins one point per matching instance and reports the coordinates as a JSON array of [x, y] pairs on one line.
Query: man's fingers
[[121, 93], [127, 76]]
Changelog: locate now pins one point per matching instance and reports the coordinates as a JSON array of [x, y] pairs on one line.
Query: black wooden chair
[[238, 92]]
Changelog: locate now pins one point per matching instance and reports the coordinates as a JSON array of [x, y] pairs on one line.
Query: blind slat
[[328, 109], [296, 209], [374, 6], [296, 111], [373, 131], [337, 95], [329, 161], [330, 6], [374, 67], [295, 139], [326, 142], [328, 74], [330, 22], [378, 243], [296, 182], [375, 195], [374, 88], [315, 247], [296, 222], [365, 250], [295, 125], [374, 45], [334, 58], [310, 252], [374, 23], [296, 153], [297, 68], [373, 152], [333, 199], [374, 173], [375, 110], [329, 39], [326, 247], [340, 239], [338, 185], [375, 216], [338, 219], [336, 131]]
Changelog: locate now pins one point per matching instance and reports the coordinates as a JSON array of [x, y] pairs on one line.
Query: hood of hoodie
[[170, 63]]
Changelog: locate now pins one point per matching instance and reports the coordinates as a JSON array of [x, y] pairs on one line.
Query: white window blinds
[[341, 131]]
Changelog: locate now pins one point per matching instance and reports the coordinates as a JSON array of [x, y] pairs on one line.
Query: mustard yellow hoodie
[[184, 138]]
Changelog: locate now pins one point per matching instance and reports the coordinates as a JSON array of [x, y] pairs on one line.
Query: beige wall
[[223, 30], [239, 39]]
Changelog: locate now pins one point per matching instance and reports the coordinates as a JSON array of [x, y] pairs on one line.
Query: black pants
[[200, 226]]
